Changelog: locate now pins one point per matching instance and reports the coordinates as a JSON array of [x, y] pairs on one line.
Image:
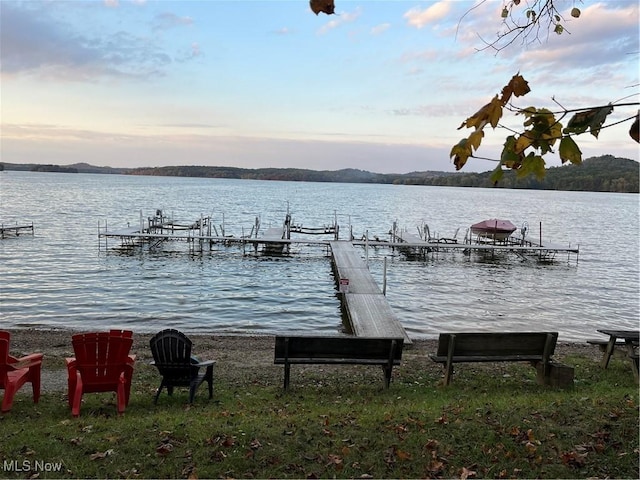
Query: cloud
[[284, 31], [340, 20], [434, 110], [379, 29], [34, 41], [167, 20], [426, 56], [418, 18], [603, 35], [116, 3]]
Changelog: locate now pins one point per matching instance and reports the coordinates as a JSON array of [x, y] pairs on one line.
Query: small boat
[[494, 229]]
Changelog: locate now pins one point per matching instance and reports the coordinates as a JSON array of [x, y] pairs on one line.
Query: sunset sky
[[381, 86]]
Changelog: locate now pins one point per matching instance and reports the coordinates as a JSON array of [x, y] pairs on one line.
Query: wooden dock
[[15, 230], [367, 309], [272, 240]]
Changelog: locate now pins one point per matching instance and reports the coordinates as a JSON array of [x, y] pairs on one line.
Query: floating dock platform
[[15, 230]]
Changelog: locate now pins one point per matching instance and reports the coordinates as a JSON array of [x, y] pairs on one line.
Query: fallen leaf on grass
[[402, 455], [255, 444], [573, 459], [336, 461], [164, 449], [100, 455], [467, 473]]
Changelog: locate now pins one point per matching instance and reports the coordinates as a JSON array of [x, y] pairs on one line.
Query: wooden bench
[[534, 347], [386, 352]]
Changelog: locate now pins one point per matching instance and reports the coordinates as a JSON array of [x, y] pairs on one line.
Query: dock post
[[384, 277], [366, 248]]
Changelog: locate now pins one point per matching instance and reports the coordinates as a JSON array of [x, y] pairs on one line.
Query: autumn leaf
[[545, 129], [229, 441], [324, 6], [517, 86], [475, 139], [432, 445], [569, 151], [496, 175], [509, 157], [634, 131], [590, 119], [573, 459], [523, 142], [467, 473], [532, 164], [100, 455], [460, 153], [490, 113], [402, 455], [255, 444], [164, 449], [336, 461]]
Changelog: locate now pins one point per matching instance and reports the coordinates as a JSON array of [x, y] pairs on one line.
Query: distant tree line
[[53, 168], [598, 174]]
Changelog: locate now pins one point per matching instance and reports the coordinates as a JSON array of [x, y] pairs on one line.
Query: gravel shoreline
[[239, 359]]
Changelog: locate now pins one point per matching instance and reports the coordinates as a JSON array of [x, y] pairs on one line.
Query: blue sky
[[381, 86]]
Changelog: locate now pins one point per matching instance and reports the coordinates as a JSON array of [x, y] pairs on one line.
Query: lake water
[[60, 278]]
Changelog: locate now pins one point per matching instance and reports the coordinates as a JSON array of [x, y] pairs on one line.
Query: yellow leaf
[[489, 113], [495, 111], [460, 153], [522, 143], [475, 139]]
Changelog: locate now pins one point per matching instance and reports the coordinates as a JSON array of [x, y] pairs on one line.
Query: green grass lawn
[[339, 422]]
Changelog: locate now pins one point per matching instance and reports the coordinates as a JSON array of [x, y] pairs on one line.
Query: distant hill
[[74, 168], [347, 175], [597, 174], [600, 174]]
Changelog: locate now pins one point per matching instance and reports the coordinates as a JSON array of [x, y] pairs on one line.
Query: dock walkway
[[367, 309]]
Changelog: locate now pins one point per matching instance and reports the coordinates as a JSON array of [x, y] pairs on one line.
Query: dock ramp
[[367, 309]]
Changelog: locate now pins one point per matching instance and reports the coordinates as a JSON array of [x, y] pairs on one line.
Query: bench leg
[[633, 357], [448, 373], [608, 352], [634, 365], [287, 371], [387, 376]]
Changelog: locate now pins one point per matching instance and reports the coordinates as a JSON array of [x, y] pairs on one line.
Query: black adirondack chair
[[171, 351]]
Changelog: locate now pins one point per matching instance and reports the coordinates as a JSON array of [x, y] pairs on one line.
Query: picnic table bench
[[534, 347], [631, 339], [386, 352], [602, 343]]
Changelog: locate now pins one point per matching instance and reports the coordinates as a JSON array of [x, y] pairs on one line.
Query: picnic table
[[631, 339]]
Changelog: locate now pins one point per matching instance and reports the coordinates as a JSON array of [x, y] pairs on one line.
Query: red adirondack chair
[[15, 372], [102, 364]]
